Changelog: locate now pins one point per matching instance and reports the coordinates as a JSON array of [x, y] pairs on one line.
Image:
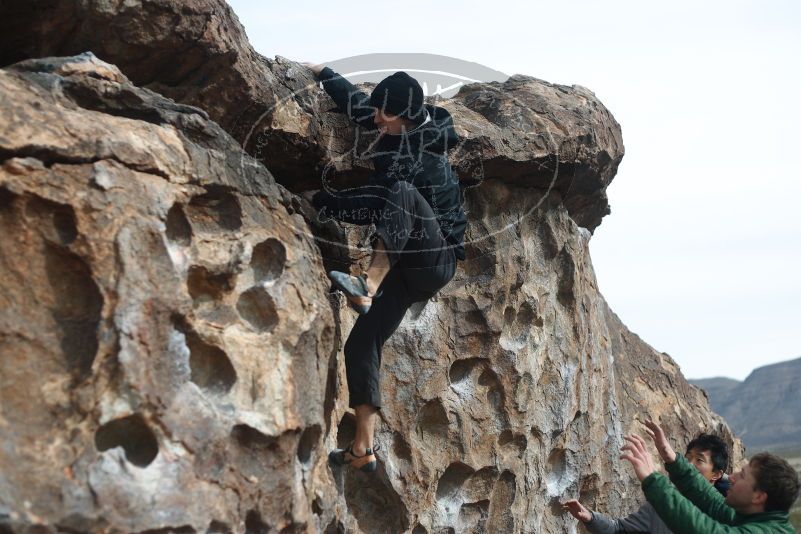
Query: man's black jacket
[[420, 157]]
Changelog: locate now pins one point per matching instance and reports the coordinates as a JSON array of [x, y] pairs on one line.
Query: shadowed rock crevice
[[450, 483], [516, 443], [37, 239], [259, 456], [215, 211], [219, 527], [335, 527], [374, 502], [123, 102], [179, 230], [268, 260], [432, 425], [183, 529], [461, 370], [463, 496], [204, 284], [309, 443], [495, 396], [254, 524], [52, 156], [256, 306], [331, 382], [559, 477], [6, 199], [501, 517], [480, 259], [264, 462], [402, 452], [346, 430], [479, 484], [567, 279], [133, 434], [589, 489], [76, 307], [250, 438], [55, 221], [474, 381], [473, 516], [211, 368], [518, 326]]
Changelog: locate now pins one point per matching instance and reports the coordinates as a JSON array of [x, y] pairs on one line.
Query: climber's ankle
[[372, 284], [360, 448]]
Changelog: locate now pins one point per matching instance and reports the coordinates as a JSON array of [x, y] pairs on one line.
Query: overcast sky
[[701, 255]]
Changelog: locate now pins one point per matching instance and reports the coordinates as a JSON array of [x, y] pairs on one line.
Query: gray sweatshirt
[[643, 520]]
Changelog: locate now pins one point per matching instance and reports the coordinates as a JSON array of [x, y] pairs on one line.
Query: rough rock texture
[[513, 389], [762, 409], [523, 131], [195, 52], [165, 330], [171, 359]]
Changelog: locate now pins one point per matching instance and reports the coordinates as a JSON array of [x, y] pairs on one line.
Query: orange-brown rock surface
[[170, 353], [197, 53]]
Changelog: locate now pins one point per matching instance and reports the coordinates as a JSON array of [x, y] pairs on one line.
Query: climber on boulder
[[414, 200]]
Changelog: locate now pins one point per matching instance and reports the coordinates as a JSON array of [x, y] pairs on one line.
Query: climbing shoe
[[355, 288], [367, 462]]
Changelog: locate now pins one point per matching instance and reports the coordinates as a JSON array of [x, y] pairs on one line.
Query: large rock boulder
[[171, 358], [171, 355], [165, 330]]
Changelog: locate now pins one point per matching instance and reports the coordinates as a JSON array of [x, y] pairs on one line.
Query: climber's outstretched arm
[[350, 100]]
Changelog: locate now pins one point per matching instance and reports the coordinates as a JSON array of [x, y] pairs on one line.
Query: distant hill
[[764, 410]]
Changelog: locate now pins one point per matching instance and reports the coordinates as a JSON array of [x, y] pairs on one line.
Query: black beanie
[[401, 95]]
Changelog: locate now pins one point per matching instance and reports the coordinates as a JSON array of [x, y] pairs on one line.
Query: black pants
[[422, 262]]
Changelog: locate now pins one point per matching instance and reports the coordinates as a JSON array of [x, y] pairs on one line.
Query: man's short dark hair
[[777, 478], [718, 450]]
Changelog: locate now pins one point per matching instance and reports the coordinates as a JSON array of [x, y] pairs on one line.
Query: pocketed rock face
[[171, 360], [164, 325], [512, 390], [524, 130]]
